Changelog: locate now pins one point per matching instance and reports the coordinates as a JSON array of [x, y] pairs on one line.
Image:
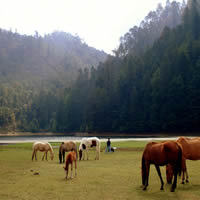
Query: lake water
[[57, 138]]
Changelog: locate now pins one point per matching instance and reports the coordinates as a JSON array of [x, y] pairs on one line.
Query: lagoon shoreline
[[28, 137]]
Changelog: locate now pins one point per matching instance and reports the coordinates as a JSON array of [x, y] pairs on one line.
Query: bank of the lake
[[21, 137]]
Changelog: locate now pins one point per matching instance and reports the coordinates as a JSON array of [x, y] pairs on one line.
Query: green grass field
[[115, 176]]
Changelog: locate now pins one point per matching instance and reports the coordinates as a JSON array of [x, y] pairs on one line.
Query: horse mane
[[51, 149]]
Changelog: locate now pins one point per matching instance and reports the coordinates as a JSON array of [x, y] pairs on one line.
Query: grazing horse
[[89, 143], [191, 151], [44, 147], [70, 159], [65, 147], [160, 154]]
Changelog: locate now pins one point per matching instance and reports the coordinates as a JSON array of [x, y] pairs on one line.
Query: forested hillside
[[35, 70], [139, 38], [155, 89], [151, 84], [57, 56]]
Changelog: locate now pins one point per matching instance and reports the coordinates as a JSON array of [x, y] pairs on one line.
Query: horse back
[[191, 147], [71, 156], [161, 153], [68, 146], [41, 146], [152, 150]]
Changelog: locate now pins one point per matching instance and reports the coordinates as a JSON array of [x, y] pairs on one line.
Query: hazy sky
[[99, 22]]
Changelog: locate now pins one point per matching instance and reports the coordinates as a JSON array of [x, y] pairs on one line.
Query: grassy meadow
[[115, 176]]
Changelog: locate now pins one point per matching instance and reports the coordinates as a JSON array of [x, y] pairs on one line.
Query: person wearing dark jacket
[[108, 146]]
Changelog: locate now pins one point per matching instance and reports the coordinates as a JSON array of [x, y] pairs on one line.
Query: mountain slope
[[55, 56]]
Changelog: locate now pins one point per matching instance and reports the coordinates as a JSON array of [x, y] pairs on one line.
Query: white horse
[[44, 147], [87, 143]]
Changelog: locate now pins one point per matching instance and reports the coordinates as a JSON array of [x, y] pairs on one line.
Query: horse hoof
[[182, 182], [161, 189], [187, 181], [144, 188], [172, 190]]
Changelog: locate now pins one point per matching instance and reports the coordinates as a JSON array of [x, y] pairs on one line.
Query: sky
[[100, 23]]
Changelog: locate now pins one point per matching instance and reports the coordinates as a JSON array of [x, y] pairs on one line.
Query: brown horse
[[160, 154], [65, 147], [191, 151], [70, 159]]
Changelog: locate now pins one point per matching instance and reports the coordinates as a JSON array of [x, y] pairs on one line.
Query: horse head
[[51, 154]]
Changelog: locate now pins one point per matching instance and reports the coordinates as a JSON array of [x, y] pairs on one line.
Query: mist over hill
[[57, 56]]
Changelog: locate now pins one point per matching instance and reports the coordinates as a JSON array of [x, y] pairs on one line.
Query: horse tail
[[143, 170], [60, 152], [33, 154], [179, 160]]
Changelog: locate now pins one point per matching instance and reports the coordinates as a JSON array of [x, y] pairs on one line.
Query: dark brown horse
[[65, 147], [191, 151], [160, 154]]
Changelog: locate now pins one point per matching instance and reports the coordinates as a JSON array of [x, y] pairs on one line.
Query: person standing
[[108, 146]]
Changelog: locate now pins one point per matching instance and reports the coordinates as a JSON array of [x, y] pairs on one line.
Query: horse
[[160, 154], [191, 151], [70, 159], [65, 147], [43, 147], [87, 143]]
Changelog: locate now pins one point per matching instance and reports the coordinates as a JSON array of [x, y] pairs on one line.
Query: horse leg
[[63, 153], [75, 167], [43, 156], [36, 155], [66, 173], [187, 177], [97, 153], [46, 155], [72, 170], [33, 154], [87, 154], [184, 170], [159, 174], [147, 176], [175, 179], [183, 176]]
